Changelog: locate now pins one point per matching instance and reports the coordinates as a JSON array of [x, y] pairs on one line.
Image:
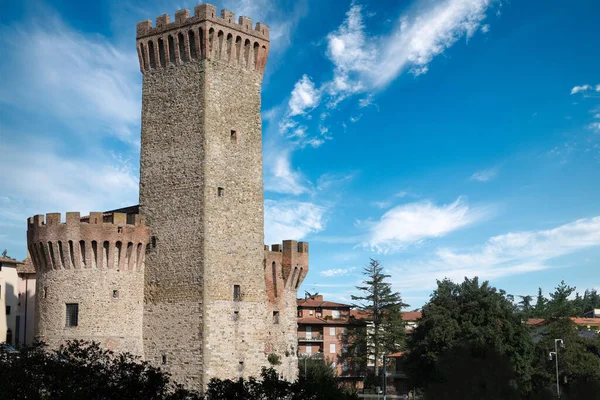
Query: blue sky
[[444, 138]]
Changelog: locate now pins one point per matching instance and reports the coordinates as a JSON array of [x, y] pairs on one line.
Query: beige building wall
[[9, 299], [26, 309]]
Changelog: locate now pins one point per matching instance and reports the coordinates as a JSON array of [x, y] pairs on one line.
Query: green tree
[[384, 308], [559, 304], [468, 314], [540, 309], [526, 307], [579, 360]]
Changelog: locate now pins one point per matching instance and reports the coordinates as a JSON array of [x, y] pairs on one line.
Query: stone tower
[[201, 191], [90, 278]]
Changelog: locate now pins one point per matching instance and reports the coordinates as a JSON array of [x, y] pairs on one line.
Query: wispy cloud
[[504, 255], [412, 223], [485, 175], [42, 180], [364, 64], [580, 89], [80, 80], [304, 97], [292, 220], [337, 272]]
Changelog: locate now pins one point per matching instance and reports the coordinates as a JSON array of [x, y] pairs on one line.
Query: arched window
[[229, 46], [202, 44], [246, 52], [211, 36], [71, 253], [152, 56], [219, 44], [238, 50], [255, 55], [182, 52], [161, 52], [192, 39], [171, 50], [143, 54]]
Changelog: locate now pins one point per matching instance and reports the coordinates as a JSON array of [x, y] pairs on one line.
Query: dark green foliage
[[84, 371], [318, 384], [80, 370], [384, 308], [579, 360], [471, 372], [468, 314]]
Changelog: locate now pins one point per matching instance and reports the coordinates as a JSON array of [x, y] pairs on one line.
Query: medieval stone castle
[[182, 280]]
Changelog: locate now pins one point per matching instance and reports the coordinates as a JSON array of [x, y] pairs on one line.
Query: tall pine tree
[[384, 308]]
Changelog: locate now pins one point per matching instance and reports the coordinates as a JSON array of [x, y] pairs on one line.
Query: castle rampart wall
[[202, 36], [96, 263]]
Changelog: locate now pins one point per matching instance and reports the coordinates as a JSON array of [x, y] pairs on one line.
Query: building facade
[[183, 279], [9, 299]]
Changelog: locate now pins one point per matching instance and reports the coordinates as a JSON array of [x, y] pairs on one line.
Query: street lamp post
[[555, 352]]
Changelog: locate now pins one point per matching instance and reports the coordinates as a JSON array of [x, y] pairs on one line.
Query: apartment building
[[322, 326]]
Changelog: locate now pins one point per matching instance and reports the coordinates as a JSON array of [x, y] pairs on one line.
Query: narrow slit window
[[115, 294], [192, 40], [45, 292], [152, 56], [237, 293], [164, 359], [276, 317], [153, 242], [233, 136], [72, 319], [221, 192], [236, 316], [161, 52], [182, 53], [171, 50]]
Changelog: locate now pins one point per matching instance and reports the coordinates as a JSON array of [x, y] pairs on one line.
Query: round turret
[[90, 278]]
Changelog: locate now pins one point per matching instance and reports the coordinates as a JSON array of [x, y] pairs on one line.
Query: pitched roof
[[8, 260], [398, 354], [26, 267], [318, 303], [411, 315], [312, 320], [576, 320]]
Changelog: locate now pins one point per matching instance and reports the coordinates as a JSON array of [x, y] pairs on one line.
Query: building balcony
[[315, 337]]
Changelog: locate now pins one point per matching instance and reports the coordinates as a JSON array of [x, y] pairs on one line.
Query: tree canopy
[[473, 315]]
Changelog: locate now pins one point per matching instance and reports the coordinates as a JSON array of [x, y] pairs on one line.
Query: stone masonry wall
[[171, 198]]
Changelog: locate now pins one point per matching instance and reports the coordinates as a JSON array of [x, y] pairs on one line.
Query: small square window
[[220, 192], [331, 331], [237, 293], [7, 310], [275, 317], [72, 315], [115, 294], [332, 348], [233, 136]]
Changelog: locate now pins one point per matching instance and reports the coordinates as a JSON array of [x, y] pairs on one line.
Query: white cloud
[[81, 80], [485, 28], [594, 126], [337, 272], [485, 175], [419, 37], [412, 223], [503, 255], [579, 89], [597, 88], [279, 177], [292, 220], [41, 180], [304, 98]]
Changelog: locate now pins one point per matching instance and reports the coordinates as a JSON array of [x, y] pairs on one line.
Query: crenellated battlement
[[286, 267], [98, 240], [202, 36]]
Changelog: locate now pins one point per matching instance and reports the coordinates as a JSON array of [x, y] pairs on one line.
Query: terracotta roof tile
[[8, 260], [26, 267]]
